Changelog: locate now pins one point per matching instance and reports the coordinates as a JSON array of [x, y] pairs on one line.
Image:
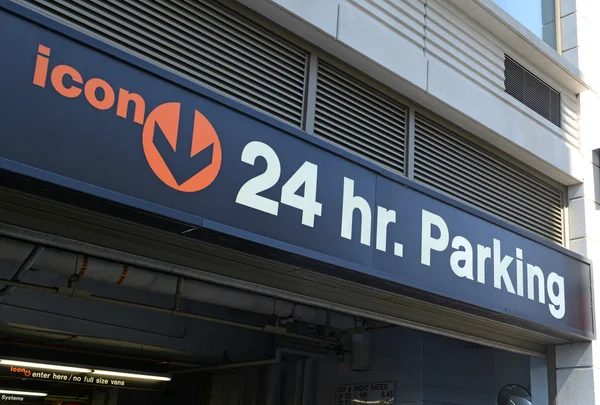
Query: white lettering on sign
[[12, 398], [486, 264], [351, 203], [305, 176], [379, 393], [463, 257], [248, 194]]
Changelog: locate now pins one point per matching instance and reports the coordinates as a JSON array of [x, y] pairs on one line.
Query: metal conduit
[[274, 360], [81, 294], [78, 266], [23, 269], [35, 237]]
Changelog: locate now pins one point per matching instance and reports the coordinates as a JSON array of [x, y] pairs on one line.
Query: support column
[[579, 26], [576, 376], [538, 375], [274, 374], [578, 365]]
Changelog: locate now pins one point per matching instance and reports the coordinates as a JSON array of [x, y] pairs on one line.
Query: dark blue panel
[[58, 129]]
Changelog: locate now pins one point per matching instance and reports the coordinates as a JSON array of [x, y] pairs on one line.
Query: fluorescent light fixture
[[24, 393], [130, 375], [55, 367]]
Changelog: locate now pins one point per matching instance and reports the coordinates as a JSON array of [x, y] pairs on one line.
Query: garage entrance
[[89, 330], [174, 245], [44, 381]]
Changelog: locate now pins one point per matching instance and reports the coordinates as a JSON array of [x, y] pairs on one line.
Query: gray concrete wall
[[436, 53], [576, 365]]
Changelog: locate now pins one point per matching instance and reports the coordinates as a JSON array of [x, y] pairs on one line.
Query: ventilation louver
[[202, 40], [531, 91], [450, 163], [351, 114]]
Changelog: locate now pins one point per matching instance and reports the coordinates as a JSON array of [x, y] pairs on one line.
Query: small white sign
[[378, 393]]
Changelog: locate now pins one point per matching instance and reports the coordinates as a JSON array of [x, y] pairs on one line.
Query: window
[[536, 15]]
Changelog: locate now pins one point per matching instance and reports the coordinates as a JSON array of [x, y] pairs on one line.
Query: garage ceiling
[[48, 222]]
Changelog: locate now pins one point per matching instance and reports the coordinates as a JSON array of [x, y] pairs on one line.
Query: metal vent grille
[[531, 91], [452, 164], [203, 40], [360, 118]]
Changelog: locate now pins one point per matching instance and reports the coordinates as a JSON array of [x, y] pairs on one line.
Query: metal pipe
[[23, 269], [274, 360], [229, 366], [75, 293], [266, 329], [94, 268], [558, 26], [93, 297], [60, 242], [27, 286], [12, 342]]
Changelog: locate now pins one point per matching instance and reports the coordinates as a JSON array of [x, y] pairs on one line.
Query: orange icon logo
[[25, 371], [181, 166], [166, 151]]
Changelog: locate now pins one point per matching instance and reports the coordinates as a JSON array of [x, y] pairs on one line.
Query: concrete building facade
[[483, 113], [451, 54]]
